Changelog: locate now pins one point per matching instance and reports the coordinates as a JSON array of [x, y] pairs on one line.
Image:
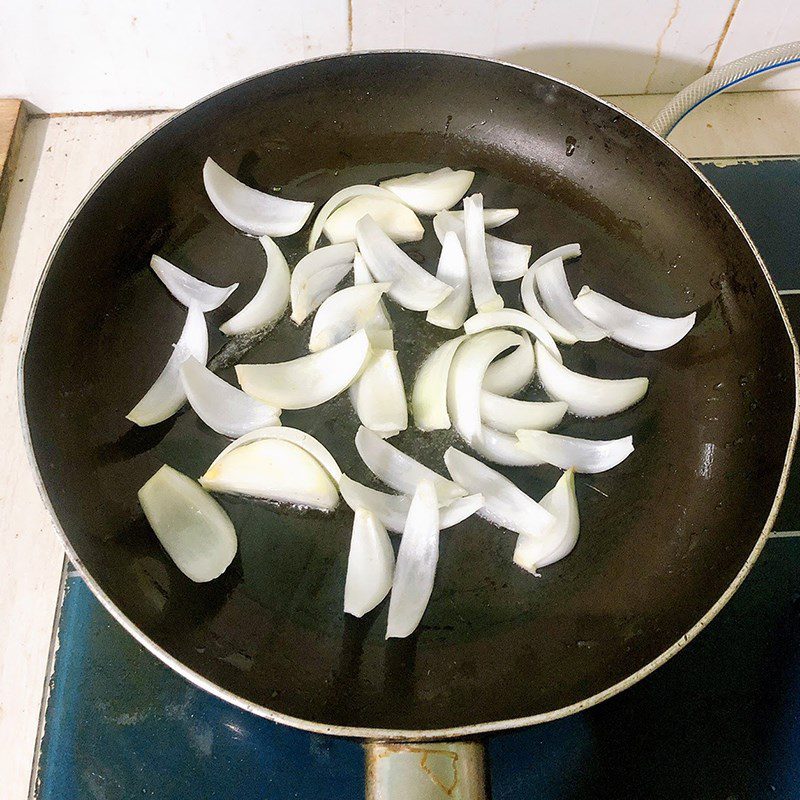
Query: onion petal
[[501, 448], [492, 217], [509, 415], [565, 252], [185, 287], [370, 565], [343, 313], [453, 271], [316, 276], [582, 455], [416, 564], [530, 302], [431, 192], [361, 275], [484, 294], [190, 524], [249, 210], [512, 318], [512, 373], [394, 218], [379, 397], [429, 396]]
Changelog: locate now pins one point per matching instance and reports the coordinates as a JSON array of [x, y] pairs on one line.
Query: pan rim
[[402, 734]]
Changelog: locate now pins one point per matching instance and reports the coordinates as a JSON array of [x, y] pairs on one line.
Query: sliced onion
[[185, 287], [166, 395], [583, 455], [380, 319], [530, 302], [249, 210], [378, 395], [370, 565], [466, 377], [380, 338], [501, 448], [631, 327], [565, 252], [272, 469], [558, 301], [509, 415], [223, 407], [315, 277], [270, 301], [412, 286], [492, 217], [342, 196], [504, 503], [398, 470], [512, 318], [309, 380], [343, 313], [190, 524], [416, 564], [430, 192], [512, 373], [453, 271], [484, 294], [532, 552], [395, 219], [429, 397], [587, 396]]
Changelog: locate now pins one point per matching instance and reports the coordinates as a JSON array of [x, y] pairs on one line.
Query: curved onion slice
[[309, 380], [304, 440], [416, 563], [530, 302], [395, 219], [501, 448], [534, 551], [565, 252], [512, 318], [412, 286], [509, 415], [453, 271], [631, 327], [166, 395], [273, 469], [466, 376], [587, 396], [270, 301], [343, 313], [370, 565], [504, 503], [190, 524], [315, 277], [430, 192], [249, 210], [512, 373], [342, 196], [484, 294], [223, 407], [380, 319], [492, 217], [583, 455], [392, 509], [398, 470], [429, 397], [185, 287], [558, 301], [378, 396]]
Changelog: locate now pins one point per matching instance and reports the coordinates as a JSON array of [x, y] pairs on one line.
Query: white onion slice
[[587, 396], [166, 395], [270, 301], [315, 277], [583, 455], [395, 219], [492, 217], [223, 407], [530, 302], [309, 380], [272, 469], [416, 564], [429, 396], [512, 373], [190, 524], [631, 327], [565, 252], [466, 377], [502, 448], [412, 286], [379, 397], [398, 470], [453, 271], [380, 319], [249, 210], [484, 294], [431, 192], [558, 302], [532, 552], [380, 338], [343, 313], [512, 318], [504, 503], [370, 565], [509, 415], [185, 287]]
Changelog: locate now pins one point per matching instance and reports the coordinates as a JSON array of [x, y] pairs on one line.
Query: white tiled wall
[[89, 55]]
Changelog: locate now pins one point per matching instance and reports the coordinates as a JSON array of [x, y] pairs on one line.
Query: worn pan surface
[[666, 537]]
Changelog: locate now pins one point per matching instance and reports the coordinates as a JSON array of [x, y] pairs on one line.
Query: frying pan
[[666, 537]]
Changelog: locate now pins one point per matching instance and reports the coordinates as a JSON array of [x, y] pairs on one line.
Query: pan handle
[[425, 771]]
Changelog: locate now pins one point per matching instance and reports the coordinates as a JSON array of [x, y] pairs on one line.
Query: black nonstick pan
[[666, 537]]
